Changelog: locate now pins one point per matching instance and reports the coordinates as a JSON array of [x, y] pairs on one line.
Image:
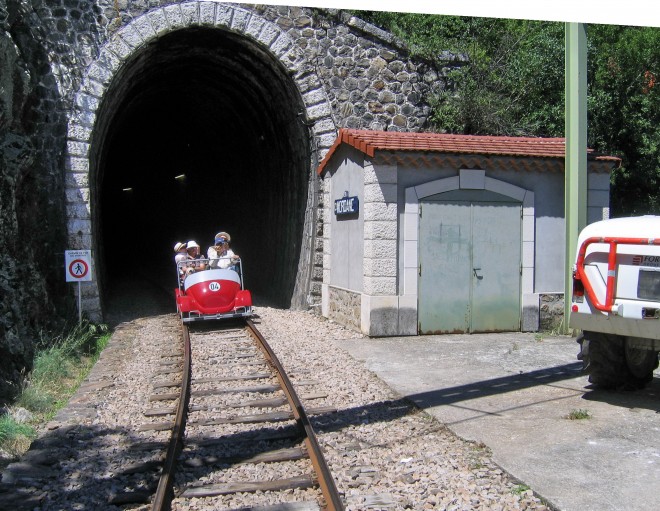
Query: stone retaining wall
[[345, 307], [552, 312]]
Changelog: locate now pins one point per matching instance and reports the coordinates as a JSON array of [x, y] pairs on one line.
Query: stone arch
[[415, 194], [114, 55]]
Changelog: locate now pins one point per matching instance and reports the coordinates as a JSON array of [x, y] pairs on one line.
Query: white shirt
[[220, 260]]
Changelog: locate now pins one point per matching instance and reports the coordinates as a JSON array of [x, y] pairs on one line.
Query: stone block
[[254, 27], [79, 227], [269, 33], [190, 13], [100, 73], [77, 195], [207, 13], [143, 25], [76, 164], [380, 285], [380, 267], [174, 16], [78, 210], [76, 180], [158, 20], [240, 20], [374, 211], [117, 46], [131, 36], [223, 15], [86, 102], [75, 148], [318, 112], [380, 230], [380, 249], [93, 88], [77, 132]]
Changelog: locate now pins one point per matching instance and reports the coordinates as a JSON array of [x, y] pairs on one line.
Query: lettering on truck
[[647, 260]]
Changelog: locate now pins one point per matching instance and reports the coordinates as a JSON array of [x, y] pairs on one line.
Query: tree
[[624, 111], [510, 81]]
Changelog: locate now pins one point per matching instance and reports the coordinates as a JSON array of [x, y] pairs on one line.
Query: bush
[[60, 364], [14, 436]]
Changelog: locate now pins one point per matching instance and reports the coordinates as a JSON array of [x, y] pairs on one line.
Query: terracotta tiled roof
[[369, 142]]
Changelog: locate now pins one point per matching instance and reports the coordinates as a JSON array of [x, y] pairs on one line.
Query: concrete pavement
[[514, 392]]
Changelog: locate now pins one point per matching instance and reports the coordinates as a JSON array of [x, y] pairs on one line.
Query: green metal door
[[469, 254]]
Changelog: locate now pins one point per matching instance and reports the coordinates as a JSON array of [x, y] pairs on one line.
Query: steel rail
[[165, 491], [331, 495]]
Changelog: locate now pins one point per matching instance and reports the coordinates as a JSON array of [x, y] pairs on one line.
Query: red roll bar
[[580, 274]]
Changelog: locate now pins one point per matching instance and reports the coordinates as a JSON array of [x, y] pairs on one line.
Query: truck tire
[[641, 363], [603, 359], [611, 365]]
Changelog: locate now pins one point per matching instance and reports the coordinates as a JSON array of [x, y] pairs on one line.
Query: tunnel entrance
[[202, 131]]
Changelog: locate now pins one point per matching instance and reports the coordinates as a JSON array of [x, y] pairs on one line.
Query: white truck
[[616, 301]]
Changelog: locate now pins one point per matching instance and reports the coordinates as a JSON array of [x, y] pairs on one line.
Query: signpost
[[78, 267]]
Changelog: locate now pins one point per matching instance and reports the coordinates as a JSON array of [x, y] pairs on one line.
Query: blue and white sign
[[347, 205]]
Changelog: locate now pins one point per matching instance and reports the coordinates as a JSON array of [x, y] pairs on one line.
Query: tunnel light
[[180, 177], [127, 189]]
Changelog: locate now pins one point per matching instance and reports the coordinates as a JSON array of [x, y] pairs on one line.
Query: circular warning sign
[[78, 268]]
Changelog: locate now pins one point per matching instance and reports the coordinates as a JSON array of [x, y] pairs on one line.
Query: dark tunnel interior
[[201, 132]]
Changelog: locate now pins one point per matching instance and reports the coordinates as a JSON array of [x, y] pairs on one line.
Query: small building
[[437, 233]]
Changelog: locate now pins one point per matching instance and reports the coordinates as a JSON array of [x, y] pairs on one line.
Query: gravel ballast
[[385, 454]]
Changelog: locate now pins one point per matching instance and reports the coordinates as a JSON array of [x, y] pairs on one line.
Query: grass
[[578, 414], [61, 363], [519, 489]]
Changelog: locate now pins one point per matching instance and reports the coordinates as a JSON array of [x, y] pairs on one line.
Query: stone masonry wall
[[32, 234], [552, 312], [349, 73], [345, 307], [57, 58]]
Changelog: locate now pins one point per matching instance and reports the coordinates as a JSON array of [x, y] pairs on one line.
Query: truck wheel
[[641, 364], [604, 360]]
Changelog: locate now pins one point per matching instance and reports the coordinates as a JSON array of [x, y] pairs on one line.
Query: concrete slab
[[514, 392]]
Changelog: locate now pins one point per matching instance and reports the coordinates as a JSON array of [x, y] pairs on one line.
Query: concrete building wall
[[392, 191]]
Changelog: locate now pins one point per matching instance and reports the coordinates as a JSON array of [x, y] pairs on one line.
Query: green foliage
[[60, 365], [579, 414], [508, 79], [15, 437], [10, 429], [520, 489], [624, 111]]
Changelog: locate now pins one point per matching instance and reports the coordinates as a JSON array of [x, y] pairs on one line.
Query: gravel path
[[385, 454]]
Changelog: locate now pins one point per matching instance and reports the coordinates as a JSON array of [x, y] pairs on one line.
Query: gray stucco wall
[[548, 188], [347, 233]]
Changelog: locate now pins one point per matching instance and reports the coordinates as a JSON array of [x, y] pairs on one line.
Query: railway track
[[241, 438]]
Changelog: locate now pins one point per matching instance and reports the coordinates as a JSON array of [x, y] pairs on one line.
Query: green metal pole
[[575, 197]]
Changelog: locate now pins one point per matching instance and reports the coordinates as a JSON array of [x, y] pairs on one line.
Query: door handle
[[475, 270]]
